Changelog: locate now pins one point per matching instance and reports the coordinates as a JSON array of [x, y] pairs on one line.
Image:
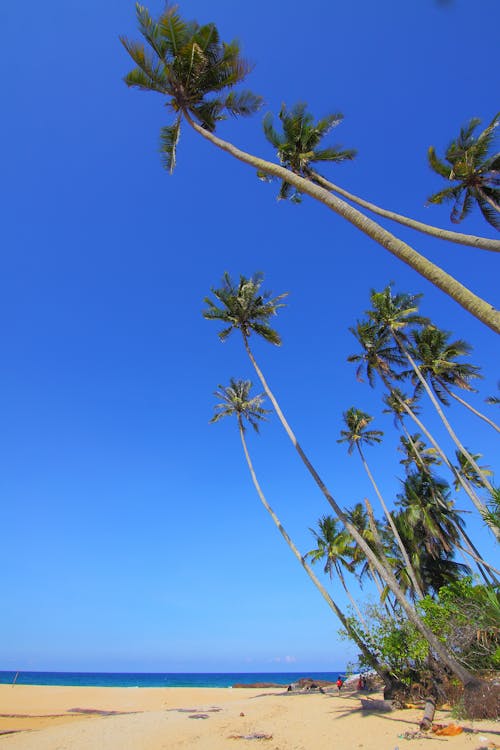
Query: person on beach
[[360, 683], [339, 685]]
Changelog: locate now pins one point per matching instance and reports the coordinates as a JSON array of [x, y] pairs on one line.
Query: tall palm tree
[[248, 324], [395, 314], [416, 454], [475, 173], [298, 150], [438, 359], [235, 400], [334, 546], [189, 65], [356, 435]]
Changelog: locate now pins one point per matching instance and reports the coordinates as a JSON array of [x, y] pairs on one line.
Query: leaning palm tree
[[246, 314], [476, 174], [356, 435], [235, 400], [197, 72], [334, 546], [298, 149], [438, 359]]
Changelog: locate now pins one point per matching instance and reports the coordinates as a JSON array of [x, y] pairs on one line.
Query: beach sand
[[65, 718]]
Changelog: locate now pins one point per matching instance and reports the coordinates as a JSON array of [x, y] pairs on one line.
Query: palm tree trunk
[[440, 412], [350, 596], [471, 408], [411, 571], [472, 495], [482, 243], [382, 671], [478, 307], [380, 565]]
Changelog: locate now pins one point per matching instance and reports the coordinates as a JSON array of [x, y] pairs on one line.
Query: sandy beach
[[81, 718]]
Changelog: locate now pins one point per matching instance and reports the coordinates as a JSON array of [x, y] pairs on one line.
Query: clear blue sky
[[132, 538]]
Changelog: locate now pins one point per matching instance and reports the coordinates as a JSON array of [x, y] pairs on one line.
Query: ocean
[[160, 679]]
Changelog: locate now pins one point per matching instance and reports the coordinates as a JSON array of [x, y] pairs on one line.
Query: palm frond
[[437, 165], [333, 154], [152, 76], [491, 215], [243, 103], [169, 138], [448, 194]]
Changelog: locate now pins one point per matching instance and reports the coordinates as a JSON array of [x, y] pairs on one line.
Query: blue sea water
[[160, 679]]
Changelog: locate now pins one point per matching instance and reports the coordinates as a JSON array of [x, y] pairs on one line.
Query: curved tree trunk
[[478, 307], [471, 408], [482, 243], [380, 565], [381, 670], [411, 571]]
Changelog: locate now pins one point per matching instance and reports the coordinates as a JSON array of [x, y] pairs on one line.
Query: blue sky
[[132, 536]]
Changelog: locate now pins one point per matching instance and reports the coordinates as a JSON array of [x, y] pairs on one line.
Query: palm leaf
[[437, 165], [270, 132], [145, 63], [448, 194], [333, 154], [243, 103], [169, 138], [489, 213]]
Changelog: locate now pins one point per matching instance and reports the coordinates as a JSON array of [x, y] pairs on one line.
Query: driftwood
[[429, 711]]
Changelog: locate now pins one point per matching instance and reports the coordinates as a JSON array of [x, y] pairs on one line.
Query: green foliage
[[475, 174], [467, 617], [297, 146], [192, 68]]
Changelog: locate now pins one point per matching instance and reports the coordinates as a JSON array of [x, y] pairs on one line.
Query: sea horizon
[[159, 679]]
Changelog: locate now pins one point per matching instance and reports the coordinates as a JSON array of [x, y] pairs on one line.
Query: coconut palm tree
[[246, 314], [334, 547], [298, 149], [416, 454], [235, 400], [437, 358], [476, 174], [190, 66], [430, 526], [356, 435]]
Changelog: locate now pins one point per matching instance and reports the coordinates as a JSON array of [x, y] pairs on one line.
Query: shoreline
[[78, 718]]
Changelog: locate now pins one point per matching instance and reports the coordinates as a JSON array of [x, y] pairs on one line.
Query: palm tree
[[437, 358], [356, 435], [430, 526], [394, 314], [297, 149], [468, 472], [235, 400], [298, 146], [189, 65], [416, 453], [476, 174], [246, 314], [335, 547], [494, 399]]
